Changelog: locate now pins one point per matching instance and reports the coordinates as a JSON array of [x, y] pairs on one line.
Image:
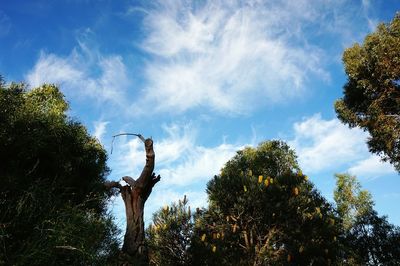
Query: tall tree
[[263, 211], [368, 239], [373, 240], [351, 201], [52, 198], [372, 93], [134, 195]]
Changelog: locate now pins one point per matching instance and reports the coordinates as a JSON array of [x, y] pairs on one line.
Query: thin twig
[[125, 134]]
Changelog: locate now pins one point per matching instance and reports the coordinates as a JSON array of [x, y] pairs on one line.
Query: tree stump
[[134, 195]]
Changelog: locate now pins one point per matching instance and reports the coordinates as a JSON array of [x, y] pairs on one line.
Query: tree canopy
[[52, 196], [371, 98], [263, 211], [368, 238], [268, 211], [170, 235], [351, 201]]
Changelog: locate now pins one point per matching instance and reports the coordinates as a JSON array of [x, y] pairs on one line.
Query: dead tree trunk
[[134, 195]]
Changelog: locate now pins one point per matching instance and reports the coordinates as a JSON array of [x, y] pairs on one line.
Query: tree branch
[[129, 180], [145, 177], [155, 178], [112, 184]]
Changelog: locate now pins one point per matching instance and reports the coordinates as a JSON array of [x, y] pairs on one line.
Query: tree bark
[[134, 195]]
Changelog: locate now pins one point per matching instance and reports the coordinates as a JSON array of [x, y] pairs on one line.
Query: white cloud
[[328, 145], [100, 129], [184, 165], [179, 141], [371, 168], [199, 165], [165, 196], [74, 74], [179, 160], [228, 56], [53, 69], [372, 23]]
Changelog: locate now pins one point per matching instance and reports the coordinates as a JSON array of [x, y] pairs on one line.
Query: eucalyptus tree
[[371, 98]]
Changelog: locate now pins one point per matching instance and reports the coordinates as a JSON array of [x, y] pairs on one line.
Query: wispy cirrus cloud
[[184, 166], [76, 75], [237, 55], [100, 128], [180, 160], [224, 56]]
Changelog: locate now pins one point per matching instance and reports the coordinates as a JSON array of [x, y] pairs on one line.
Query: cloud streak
[[75, 75], [180, 160], [184, 166], [100, 128], [228, 56]]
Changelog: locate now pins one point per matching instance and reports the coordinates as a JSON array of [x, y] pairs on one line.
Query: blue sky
[[203, 79]]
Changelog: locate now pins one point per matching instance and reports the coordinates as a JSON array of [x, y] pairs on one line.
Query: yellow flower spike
[[320, 215], [300, 173], [165, 226], [218, 235], [334, 238], [305, 177], [271, 180], [260, 179], [234, 228], [203, 237], [295, 191], [245, 188], [266, 182], [214, 248], [166, 208], [250, 173], [317, 209]]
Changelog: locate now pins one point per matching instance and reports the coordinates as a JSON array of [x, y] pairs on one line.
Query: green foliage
[[369, 239], [169, 237], [374, 241], [351, 201], [52, 197], [372, 92], [263, 211]]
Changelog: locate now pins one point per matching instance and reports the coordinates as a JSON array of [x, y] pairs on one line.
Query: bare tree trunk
[[135, 194]]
